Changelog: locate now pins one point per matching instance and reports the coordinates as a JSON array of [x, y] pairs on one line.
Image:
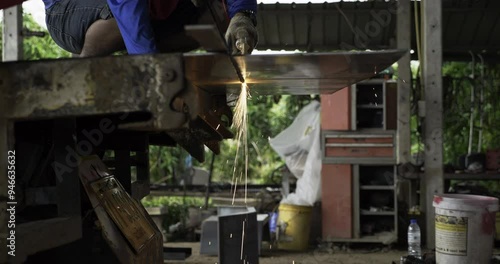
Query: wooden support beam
[[12, 37], [404, 82], [403, 137], [67, 181], [3, 182], [122, 169], [140, 189], [432, 69]]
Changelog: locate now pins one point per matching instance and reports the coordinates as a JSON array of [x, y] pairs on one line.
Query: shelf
[[376, 187], [369, 106], [366, 212]]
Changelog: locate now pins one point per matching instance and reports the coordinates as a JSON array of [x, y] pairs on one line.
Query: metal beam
[[404, 81], [12, 37], [301, 74], [432, 69]]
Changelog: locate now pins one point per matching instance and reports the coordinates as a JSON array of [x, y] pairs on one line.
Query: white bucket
[[465, 228]]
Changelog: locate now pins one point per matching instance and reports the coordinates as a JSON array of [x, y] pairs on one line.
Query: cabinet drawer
[[358, 147]]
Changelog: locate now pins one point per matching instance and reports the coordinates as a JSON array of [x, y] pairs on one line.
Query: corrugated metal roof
[[467, 25]]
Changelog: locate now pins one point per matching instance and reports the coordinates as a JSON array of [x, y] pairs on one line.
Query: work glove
[[241, 35]]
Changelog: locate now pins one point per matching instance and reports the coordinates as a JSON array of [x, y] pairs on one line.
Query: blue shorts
[[68, 20]]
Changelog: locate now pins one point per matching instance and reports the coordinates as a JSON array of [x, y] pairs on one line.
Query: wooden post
[[432, 73], [12, 38], [12, 51], [404, 82], [3, 183]]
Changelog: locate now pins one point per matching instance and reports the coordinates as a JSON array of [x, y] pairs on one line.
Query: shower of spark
[[240, 123]]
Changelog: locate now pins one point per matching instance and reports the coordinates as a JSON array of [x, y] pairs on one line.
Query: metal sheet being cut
[[302, 73]]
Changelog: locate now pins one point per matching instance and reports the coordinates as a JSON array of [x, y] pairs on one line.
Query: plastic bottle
[[414, 240]]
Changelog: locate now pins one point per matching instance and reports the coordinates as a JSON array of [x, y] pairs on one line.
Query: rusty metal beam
[[97, 86]]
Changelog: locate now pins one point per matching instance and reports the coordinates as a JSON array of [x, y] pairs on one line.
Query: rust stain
[[438, 199]]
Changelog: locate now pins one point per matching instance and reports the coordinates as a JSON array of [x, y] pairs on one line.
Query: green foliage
[[458, 108], [177, 207], [165, 162], [36, 48], [267, 117]]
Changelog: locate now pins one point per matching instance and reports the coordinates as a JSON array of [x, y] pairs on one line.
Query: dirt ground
[[269, 256]]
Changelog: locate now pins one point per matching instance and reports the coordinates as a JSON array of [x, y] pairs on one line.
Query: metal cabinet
[[358, 139]]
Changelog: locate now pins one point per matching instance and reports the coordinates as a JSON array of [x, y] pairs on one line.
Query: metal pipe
[[481, 102], [209, 182], [472, 98]]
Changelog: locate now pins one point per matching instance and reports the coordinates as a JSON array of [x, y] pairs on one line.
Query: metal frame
[[152, 97], [174, 95]]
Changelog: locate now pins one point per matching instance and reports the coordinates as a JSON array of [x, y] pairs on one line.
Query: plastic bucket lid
[[465, 202]]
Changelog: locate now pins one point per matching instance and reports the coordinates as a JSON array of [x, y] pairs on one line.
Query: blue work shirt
[[133, 21]]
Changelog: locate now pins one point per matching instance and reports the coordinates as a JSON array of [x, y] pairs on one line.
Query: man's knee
[[102, 38]]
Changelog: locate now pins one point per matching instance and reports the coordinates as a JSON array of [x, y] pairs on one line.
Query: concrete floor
[[270, 256]]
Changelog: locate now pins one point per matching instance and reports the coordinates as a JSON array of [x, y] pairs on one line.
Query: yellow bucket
[[294, 222]]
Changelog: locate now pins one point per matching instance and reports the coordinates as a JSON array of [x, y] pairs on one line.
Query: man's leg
[[102, 38]]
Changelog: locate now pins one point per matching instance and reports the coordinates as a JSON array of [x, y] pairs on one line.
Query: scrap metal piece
[[209, 243], [238, 237], [119, 240], [124, 212], [176, 253], [301, 74]]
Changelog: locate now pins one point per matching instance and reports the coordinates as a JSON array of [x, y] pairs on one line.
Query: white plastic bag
[[299, 146]]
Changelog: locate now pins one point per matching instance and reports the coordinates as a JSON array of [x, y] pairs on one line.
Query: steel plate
[[303, 73]]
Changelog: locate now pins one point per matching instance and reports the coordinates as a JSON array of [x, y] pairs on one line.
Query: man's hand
[[241, 35]]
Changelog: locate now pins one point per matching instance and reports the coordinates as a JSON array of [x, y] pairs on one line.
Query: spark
[[240, 123], [242, 239]]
